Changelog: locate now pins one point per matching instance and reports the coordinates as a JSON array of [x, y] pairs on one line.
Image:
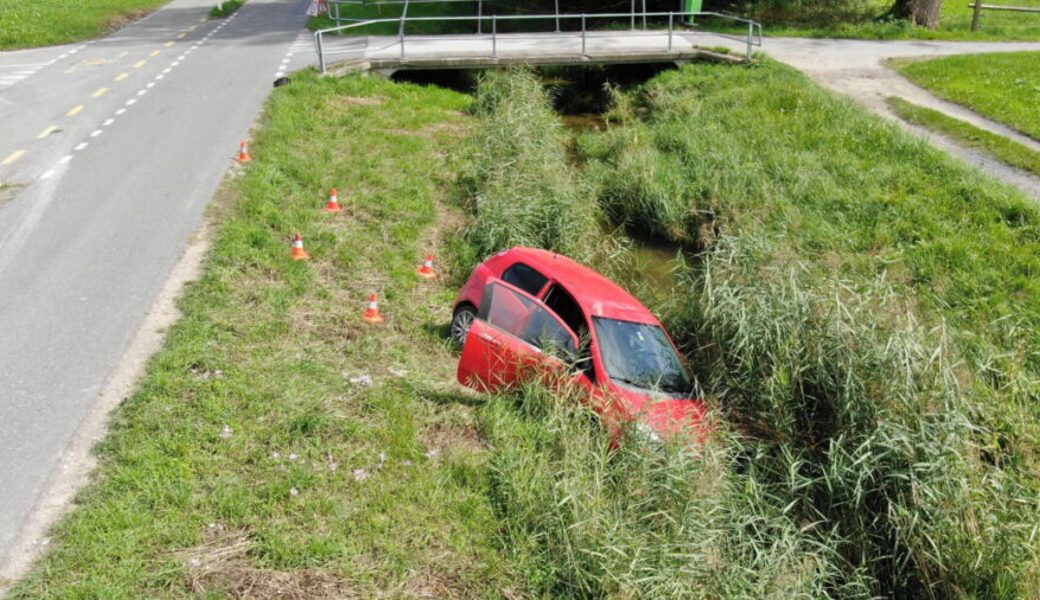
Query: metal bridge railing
[[751, 39]]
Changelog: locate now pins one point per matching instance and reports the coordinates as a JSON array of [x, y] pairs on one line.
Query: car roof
[[595, 294]]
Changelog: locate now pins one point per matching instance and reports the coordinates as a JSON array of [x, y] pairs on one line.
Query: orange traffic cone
[[243, 153], [333, 205], [372, 314], [298, 253], [426, 270]]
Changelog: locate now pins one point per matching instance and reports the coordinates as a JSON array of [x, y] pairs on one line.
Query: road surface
[[109, 152]]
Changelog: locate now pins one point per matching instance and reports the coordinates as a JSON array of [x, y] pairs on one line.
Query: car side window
[[525, 278], [515, 314], [565, 307]]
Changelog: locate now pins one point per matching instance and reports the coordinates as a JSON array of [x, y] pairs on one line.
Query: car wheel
[[460, 323]]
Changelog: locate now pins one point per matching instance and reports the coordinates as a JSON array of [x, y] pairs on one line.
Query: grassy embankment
[[873, 362], [253, 458], [863, 450], [31, 24], [1003, 87], [966, 134]]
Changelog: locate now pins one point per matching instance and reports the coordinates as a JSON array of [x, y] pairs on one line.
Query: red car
[[526, 312]]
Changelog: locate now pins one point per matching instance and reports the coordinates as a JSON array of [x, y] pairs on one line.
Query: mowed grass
[[362, 12], [867, 20], [1004, 87], [257, 458], [48, 22], [966, 134]]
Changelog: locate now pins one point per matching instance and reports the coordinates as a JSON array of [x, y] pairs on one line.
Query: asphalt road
[[110, 150]]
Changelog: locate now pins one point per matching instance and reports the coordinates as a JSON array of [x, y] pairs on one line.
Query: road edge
[[78, 463]]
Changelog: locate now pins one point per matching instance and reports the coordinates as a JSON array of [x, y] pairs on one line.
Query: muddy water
[[657, 261]]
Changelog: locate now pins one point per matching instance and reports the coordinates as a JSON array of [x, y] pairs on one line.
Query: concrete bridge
[[664, 39]]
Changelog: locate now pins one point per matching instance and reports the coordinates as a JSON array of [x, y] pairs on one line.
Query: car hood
[[669, 418]]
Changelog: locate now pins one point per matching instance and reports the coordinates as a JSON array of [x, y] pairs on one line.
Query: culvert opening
[[577, 91]]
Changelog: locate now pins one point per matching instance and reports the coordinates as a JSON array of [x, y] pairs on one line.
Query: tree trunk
[[924, 13]]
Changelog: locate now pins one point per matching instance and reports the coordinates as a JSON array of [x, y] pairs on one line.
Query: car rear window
[[525, 278]]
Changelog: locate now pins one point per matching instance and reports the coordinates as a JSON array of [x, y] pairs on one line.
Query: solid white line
[[81, 146]]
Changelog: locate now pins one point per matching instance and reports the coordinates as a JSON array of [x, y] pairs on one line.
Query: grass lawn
[[255, 455], [862, 22], [865, 23], [393, 11], [48, 22], [1003, 87], [966, 134]]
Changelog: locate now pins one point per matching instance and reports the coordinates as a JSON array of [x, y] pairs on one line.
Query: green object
[[691, 6]]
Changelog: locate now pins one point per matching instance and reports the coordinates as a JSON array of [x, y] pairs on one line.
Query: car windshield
[[640, 355]]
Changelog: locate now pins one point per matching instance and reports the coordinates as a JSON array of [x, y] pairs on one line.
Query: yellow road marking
[[122, 76], [180, 35], [122, 54], [155, 53], [139, 64], [13, 157], [168, 44], [47, 132], [100, 92], [69, 70], [75, 111]]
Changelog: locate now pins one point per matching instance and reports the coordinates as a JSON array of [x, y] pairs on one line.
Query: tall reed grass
[[841, 389], [585, 520], [857, 457], [515, 176]]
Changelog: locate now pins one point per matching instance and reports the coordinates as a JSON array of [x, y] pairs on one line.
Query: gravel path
[[856, 68]]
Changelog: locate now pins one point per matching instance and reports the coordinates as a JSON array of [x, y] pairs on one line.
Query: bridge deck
[[565, 48]]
